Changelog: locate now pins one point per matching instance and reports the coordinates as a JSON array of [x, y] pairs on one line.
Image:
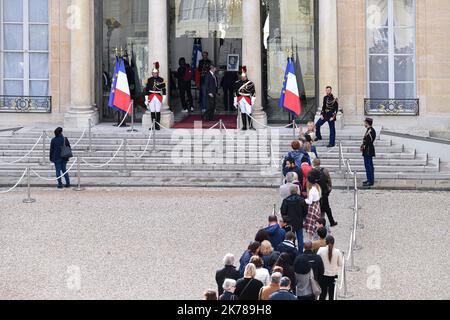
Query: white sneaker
[[184, 111]]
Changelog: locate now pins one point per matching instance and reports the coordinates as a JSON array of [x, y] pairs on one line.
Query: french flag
[[290, 98], [120, 98], [196, 57]]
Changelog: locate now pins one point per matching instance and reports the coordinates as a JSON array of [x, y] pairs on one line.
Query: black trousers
[[211, 108], [185, 90], [228, 98], [325, 207], [327, 286]]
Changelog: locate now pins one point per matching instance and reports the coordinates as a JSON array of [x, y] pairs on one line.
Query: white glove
[[146, 101], [253, 101], [236, 105], [164, 100]]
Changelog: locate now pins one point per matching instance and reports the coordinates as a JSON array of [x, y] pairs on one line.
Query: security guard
[[245, 99], [329, 112], [368, 152], [155, 95]]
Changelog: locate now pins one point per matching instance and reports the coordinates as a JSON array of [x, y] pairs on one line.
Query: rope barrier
[[26, 155], [53, 179], [165, 128], [145, 149], [79, 140], [107, 163], [15, 186]]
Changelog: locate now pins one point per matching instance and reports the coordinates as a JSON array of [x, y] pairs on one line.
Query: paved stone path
[[167, 243]]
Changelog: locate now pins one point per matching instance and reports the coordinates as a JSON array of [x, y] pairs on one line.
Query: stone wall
[[433, 65]]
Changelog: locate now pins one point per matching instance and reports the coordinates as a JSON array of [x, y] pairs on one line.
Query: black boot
[[158, 120], [153, 119], [244, 121], [250, 123]]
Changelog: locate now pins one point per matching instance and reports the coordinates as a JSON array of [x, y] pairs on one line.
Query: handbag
[[66, 151], [316, 290]]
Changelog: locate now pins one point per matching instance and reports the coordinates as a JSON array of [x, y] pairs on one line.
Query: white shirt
[[332, 268], [313, 196], [262, 274]]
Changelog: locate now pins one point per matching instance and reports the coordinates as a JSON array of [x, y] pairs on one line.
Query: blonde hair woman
[[248, 287], [268, 255], [313, 202]]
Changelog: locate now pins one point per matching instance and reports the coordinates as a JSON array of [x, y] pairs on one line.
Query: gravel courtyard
[[167, 243]]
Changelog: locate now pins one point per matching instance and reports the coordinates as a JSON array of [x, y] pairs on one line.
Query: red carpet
[[188, 122]]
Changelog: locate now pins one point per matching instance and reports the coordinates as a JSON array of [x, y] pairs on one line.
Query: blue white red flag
[[290, 98], [120, 98], [196, 57]]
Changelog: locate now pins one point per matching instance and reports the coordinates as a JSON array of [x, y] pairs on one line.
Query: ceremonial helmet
[[244, 71], [155, 67]]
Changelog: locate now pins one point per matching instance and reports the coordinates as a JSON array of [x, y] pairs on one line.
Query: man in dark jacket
[[329, 112], [275, 232], [326, 186], [288, 246], [253, 250], [55, 156], [283, 293], [368, 152], [294, 211], [184, 76], [291, 166], [303, 263], [211, 87], [227, 272]]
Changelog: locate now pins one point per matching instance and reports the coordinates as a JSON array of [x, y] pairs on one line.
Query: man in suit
[[368, 152], [211, 87]]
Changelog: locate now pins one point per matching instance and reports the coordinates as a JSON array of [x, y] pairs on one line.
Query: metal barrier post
[[125, 172], [293, 130], [221, 126], [345, 294], [347, 174], [90, 136], [132, 118], [341, 156], [43, 162], [355, 192], [355, 246], [351, 257], [29, 199], [154, 135], [79, 188]]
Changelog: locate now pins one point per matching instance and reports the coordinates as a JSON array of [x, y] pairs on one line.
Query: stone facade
[[347, 70]]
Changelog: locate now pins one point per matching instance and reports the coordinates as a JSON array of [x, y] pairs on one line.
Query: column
[[328, 46], [252, 54], [158, 50], [81, 108]]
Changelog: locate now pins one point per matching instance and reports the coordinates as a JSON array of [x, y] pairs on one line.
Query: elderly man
[[284, 292], [273, 287], [291, 180], [294, 210], [229, 286], [227, 272]]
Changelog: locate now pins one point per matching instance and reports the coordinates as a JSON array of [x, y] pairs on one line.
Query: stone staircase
[[249, 166]]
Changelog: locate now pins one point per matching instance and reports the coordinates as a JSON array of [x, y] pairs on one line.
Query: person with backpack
[[60, 157], [184, 76], [297, 153], [326, 186]]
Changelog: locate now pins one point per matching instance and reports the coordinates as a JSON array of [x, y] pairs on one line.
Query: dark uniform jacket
[[368, 148], [330, 108], [245, 88], [211, 84], [155, 85], [181, 76], [203, 68]]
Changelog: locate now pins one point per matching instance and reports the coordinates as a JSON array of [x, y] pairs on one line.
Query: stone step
[[19, 150], [139, 141]]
